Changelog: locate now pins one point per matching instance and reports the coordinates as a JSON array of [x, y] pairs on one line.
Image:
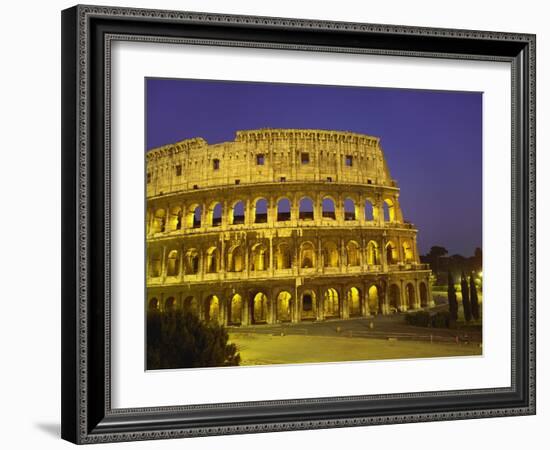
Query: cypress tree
[[451, 295], [473, 298], [466, 306]]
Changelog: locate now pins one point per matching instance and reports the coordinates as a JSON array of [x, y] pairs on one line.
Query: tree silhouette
[[179, 339], [473, 297], [465, 290], [451, 295], [435, 254]]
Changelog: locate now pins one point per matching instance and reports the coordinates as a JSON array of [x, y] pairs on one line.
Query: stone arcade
[[279, 225]]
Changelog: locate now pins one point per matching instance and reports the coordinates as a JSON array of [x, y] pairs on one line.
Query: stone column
[[344, 313], [365, 310], [271, 268], [342, 255], [222, 257], [163, 264], [181, 267], [417, 294]]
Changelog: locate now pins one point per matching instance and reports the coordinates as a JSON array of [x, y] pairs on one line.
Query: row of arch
[[332, 304], [173, 219], [309, 256]]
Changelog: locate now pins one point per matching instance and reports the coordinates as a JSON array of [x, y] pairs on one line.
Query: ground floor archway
[[394, 297], [212, 309], [283, 308], [331, 303], [191, 305], [354, 300], [259, 308], [153, 304], [308, 305], [235, 310], [375, 299], [411, 303]]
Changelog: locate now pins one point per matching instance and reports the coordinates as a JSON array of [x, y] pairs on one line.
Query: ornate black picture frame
[[87, 414]]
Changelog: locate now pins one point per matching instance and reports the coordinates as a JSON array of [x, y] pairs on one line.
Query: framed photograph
[[283, 224]]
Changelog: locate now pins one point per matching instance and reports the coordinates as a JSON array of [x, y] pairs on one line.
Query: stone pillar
[[320, 307], [181, 267], [222, 256], [163, 264], [365, 310], [383, 255], [344, 314], [342, 255], [417, 294], [271, 268]]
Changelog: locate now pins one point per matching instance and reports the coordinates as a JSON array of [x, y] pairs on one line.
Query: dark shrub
[[178, 339], [441, 319], [418, 319]]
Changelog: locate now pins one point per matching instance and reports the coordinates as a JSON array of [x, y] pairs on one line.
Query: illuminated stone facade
[[279, 225]]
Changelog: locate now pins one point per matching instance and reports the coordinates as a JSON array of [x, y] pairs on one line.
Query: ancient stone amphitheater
[[279, 225]]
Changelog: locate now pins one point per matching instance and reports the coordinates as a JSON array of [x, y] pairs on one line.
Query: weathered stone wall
[[294, 155]]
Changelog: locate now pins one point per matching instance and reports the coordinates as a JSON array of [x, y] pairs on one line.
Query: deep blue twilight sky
[[432, 140]]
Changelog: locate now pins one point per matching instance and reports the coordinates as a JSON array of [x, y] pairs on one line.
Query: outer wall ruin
[[279, 225]]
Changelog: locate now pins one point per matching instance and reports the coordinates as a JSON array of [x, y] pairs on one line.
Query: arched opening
[[423, 295], [173, 264], [349, 209], [194, 217], [331, 303], [394, 298], [353, 254], [375, 299], [283, 210], [307, 256], [260, 211], [216, 211], [159, 221], [170, 305], [283, 257], [176, 219], [389, 210], [373, 255], [235, 259], [306, 209], [192, 262], [370, 211], [391, 253], [283, 306], [329, 211], [407, 251], [236, 310], [259, 258], [212, 260], [155, 264], [330, 254], [259, 308], [308, 305], [153, 304], [212, 309], [238, 213], [191, 306], [354, 300], [410, 296]]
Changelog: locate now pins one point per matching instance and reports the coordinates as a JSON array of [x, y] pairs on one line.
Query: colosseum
[[279, 225]]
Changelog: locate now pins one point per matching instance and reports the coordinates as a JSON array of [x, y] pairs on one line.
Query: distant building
[[279, 225]]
